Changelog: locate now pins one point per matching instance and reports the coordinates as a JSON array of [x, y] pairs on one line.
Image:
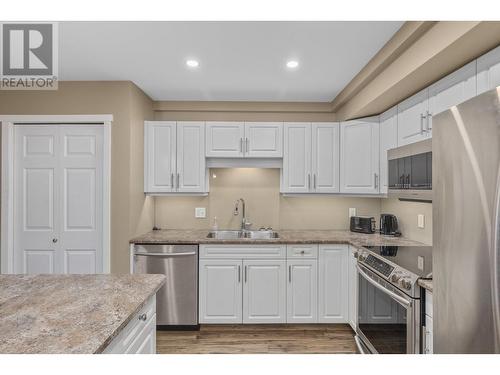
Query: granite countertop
[[198, 236], [426, 284], [69, 313]]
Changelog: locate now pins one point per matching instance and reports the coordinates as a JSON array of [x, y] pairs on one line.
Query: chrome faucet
[[245, 225]]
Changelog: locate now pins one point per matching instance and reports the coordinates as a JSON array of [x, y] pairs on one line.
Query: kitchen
[[245, 219]]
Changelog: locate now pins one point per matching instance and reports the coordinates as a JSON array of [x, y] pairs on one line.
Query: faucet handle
[[247, 225]]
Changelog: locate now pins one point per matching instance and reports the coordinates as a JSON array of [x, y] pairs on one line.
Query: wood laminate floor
[[259, 339]]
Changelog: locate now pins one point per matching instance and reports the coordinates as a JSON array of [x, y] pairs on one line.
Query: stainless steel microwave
[[410, 171]]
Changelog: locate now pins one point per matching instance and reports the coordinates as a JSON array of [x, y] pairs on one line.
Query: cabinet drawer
[[428, 303], [124, 340], [302, 251], [243, 251]]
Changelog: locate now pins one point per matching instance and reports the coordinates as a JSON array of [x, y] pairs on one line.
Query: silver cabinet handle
[[375, 180], [54, 240], [245, 274], [241, 145], [239, 274], [422, 117], [178, 175], [289, 274], [247, 148], [172, 180], [428, 117], [143, 317], [314, 179], [309, 181]]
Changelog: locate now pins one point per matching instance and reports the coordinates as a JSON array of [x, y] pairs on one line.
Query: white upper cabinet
[[174, 157], [488, 71], [453, 89], [263, 140], [191, 169], [412, 118], [250, 139], [297, 158], [388, 140], [325, 157], [359, 156], [159, 156], [225, 139]]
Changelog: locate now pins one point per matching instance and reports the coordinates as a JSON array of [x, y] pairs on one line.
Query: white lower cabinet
[[302, 291], [333, 293], [220, 288], [264, 291], [428, 328], [139, 335]]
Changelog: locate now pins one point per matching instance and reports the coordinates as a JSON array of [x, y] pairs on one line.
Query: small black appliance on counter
[[389, 225], [363, 224]]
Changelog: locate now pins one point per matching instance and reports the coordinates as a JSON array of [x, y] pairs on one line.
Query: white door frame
[[7, 199]]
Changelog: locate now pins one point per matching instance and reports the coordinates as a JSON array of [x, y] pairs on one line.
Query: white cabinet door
[[388, 140], [359, 156], [297, 158], [325, 157], [263, 139], [488, 71], [353, 289], [224, 139], [412, 118], [333, 269], [159, 156], [453, 89], [191, 168], [220, 291], [302, 291], [264, 291]]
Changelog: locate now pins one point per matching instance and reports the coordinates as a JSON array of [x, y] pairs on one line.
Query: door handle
[[290, 274], [166, 255]]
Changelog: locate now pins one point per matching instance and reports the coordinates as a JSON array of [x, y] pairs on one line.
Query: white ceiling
[[238, 60]]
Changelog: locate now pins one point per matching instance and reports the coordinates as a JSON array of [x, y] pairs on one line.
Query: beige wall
[[407, 216], [122, 100], [265, 206]]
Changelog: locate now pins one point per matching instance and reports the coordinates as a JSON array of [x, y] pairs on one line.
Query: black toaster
[[363, 224]]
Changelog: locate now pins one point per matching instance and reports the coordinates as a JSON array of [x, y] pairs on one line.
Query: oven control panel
[[378, 265]]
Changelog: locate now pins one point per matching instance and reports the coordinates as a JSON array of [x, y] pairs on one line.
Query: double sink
[[243, 234]]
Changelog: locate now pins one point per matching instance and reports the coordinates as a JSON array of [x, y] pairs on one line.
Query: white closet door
[[81, 200], [58, 199], [36, 195]]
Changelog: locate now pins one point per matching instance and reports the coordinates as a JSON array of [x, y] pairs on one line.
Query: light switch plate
[[420, 221], [200, 212], [420, 262], [352, 212]]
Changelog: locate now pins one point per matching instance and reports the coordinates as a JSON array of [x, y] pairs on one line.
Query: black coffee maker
[[389, 225]]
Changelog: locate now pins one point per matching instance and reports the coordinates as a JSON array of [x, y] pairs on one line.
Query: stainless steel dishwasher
[[177, 300]]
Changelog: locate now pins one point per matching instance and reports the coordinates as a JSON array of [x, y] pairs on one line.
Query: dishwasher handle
[[166, 255]]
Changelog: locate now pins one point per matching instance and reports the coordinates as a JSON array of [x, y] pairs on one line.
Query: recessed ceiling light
[[292, 64], [192, 63]]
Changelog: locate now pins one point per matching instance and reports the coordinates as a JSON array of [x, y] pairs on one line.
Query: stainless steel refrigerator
[[466, 225]]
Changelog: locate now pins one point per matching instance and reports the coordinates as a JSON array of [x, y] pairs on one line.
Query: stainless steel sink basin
[[247, 234]]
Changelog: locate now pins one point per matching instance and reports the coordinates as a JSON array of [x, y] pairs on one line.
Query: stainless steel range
[[389, 301]]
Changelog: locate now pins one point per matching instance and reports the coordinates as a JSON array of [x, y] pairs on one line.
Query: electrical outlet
[[420, 263], [200, 212], [352, 212], [421, 221]]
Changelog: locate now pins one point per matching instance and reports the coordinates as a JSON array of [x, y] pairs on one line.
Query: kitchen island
[[70, 314]]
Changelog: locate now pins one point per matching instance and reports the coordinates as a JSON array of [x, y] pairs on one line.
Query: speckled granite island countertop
[[69, 313], [426, 284], [172, 236]]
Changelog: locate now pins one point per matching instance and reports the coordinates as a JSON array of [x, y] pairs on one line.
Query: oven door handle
[[391, 294]]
